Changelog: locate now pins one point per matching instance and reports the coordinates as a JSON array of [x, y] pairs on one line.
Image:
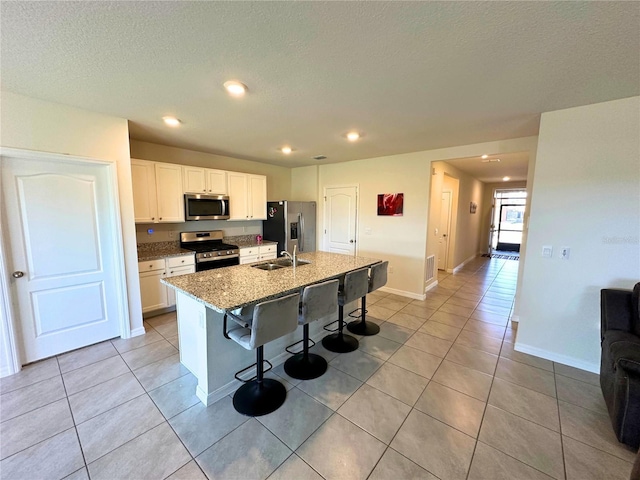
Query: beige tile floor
[[439, 393]]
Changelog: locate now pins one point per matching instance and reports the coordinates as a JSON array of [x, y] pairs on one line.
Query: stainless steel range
[[211, 252]]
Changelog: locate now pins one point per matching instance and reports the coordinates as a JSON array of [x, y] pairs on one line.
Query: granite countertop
[[246, 241], [157, 250], [229, 288]]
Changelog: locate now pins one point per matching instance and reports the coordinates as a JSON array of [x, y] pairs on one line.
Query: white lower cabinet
[[255, 254], [154, 294]]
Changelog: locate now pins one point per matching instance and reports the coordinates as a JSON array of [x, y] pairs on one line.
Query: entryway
[[64, 252], [507, 222]]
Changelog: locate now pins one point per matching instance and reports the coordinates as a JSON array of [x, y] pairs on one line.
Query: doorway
[[507, 220], [64, 252], [445, 229], [340, 219]]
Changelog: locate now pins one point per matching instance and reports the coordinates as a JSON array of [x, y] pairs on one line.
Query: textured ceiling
[[512, 165], [411, 75]]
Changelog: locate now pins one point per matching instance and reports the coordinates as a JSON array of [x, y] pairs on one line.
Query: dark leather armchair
[[620, 361]]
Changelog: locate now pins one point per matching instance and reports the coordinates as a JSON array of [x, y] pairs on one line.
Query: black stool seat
[[377, 279], [318, 301], [263, 323], [355, 286]]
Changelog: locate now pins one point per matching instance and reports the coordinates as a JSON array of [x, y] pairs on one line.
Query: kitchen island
[[202, 298]]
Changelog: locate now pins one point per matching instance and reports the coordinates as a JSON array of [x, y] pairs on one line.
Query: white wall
[[304, 184], [586, 195], [404, 241], [30, 124]]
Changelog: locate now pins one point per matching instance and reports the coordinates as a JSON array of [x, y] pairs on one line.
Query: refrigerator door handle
[[301, 221]]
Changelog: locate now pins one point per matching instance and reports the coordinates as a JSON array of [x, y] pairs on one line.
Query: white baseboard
[[403, 293], [430, 287], [557, 357], [138, 331], [5, 371], [459, 267]]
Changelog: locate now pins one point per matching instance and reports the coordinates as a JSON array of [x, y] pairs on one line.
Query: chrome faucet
[[294, 257]]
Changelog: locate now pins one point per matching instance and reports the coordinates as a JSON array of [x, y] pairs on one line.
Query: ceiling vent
[[319, 157]]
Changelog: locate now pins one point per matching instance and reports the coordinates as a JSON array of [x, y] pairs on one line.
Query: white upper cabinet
[[204, 180], [143, 179], [169, 189], [216, 181], [194, 180], [258, 197], [238, 188], [247, 196], [157, 192]]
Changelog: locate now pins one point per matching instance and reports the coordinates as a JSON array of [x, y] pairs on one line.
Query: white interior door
[[62, 225], [340, 219], [445, 227]]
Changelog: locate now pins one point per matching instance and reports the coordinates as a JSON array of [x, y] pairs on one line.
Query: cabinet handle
[[171, 272], [150, 266], [182, 261], [160, 218], [153, 218]]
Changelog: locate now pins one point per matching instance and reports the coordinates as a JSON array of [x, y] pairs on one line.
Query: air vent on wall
[[319, 157]]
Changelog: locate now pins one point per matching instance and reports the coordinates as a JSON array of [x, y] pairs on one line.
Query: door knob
[[17, 274], [350, 241]]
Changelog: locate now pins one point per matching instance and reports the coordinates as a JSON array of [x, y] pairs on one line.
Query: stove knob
[[228, 252], [219, 253]]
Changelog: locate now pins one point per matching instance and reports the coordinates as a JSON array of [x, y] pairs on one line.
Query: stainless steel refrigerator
[[289, 224]]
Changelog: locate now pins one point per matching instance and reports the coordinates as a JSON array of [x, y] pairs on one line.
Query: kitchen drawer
[[268, 249], [151, 265], [244, 259], [249, 251], [181, 261]]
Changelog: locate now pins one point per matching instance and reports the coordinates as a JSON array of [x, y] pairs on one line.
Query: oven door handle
[[215, 259]]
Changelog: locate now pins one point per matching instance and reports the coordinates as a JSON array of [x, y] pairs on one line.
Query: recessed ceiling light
[[171, 121], [234, 88], [353, 136], [286, 150], [485, 156], [506, 179]]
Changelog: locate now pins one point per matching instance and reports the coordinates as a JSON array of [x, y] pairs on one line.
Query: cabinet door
[[194, 180], [143, 181], [238, 205], [174, 272], [153, 293], [169, 193], [257, 197], [216, 181]]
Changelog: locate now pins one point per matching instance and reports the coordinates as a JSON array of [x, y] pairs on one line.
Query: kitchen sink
[[286, 262], [281, 263], [268, 266]]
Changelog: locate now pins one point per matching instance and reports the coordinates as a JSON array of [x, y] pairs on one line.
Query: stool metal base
[[340, 343], [305, 368], [360, 327], [259, 398]]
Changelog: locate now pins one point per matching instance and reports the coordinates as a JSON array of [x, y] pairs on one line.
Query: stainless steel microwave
[[206, 207]]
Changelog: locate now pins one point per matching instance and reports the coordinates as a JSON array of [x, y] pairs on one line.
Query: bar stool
[[355, 286], [318, 301], [377, 279], [263, 323]]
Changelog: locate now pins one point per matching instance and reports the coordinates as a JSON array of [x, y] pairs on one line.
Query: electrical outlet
[[367, 231], [390, 269], [171, 234]]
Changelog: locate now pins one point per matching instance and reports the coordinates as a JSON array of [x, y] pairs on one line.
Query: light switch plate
[[547, 251]]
